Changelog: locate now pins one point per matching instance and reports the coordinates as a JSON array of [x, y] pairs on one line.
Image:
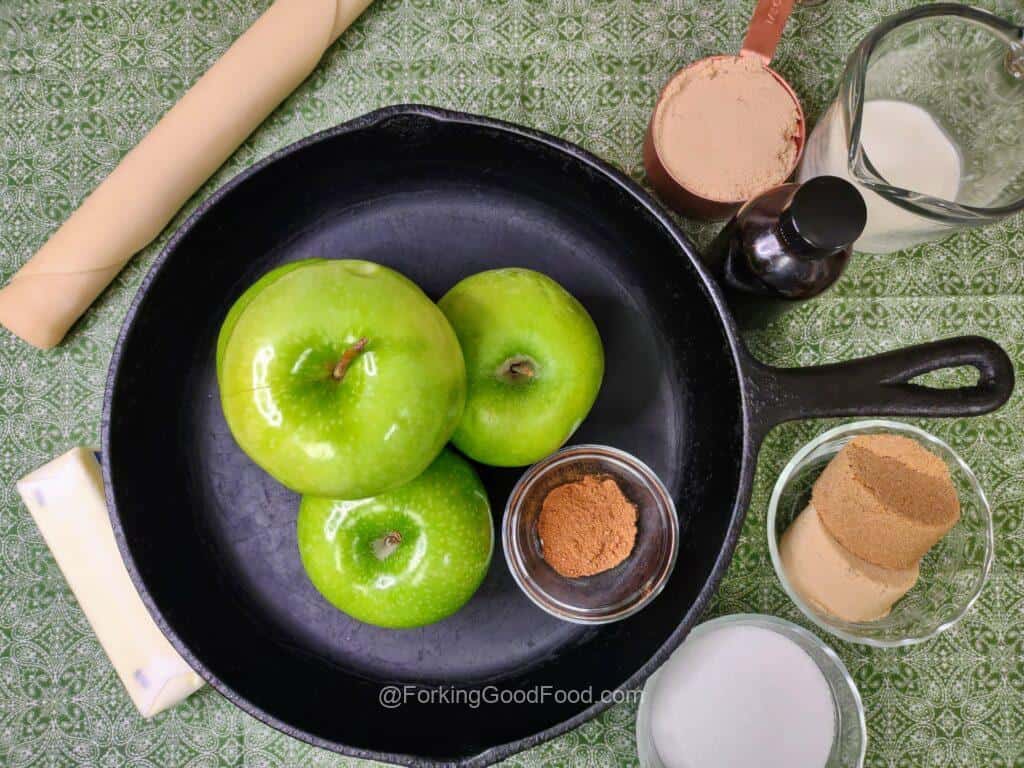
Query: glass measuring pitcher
[[928, 123]]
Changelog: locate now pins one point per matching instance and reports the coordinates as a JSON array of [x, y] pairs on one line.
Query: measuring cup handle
[[765, 28]]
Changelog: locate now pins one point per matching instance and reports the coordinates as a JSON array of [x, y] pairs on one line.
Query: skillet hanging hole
[[949, 378]]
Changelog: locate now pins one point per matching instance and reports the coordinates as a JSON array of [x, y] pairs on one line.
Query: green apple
[[405, 558], [339, 378], [534, 364]]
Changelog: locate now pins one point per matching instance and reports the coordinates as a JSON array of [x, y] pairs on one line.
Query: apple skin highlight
[[534, 365], [339, 378], [405, 558]]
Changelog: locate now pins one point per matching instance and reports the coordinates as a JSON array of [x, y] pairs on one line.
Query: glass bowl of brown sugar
[[590, 534], [943, 585]]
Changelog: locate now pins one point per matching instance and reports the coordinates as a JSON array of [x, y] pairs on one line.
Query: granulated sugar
[[739, 697]]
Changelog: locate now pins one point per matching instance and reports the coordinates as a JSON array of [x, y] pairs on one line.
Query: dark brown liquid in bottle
[[788, 245]]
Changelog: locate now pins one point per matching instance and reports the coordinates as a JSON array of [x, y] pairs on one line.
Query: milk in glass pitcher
[[929, 124]]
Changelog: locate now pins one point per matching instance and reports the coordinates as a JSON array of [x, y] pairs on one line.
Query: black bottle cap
[[827, 213]]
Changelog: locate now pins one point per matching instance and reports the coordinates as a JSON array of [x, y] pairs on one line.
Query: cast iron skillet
[[210, 540]]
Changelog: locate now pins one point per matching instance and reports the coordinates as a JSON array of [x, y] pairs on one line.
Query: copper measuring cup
[[763, 35]]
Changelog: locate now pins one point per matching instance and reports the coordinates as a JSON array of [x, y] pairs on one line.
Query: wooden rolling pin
[[155, 179]]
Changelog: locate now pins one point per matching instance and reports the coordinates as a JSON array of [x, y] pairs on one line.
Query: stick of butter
[[66, 500]]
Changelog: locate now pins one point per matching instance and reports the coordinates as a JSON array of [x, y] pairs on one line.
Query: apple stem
[[521, 369], [386, 545], [517, 369], [350, 354]]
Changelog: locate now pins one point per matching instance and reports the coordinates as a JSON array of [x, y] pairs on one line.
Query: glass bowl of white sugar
[[751, 690]]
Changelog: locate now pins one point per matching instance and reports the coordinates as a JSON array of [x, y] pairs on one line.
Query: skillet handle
[[880, 385]]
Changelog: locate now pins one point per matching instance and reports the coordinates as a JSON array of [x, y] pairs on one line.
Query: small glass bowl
[[850, 737], [616, 593], [953, 573]]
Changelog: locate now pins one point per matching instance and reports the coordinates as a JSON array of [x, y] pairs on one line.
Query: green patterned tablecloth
[[82, 80]]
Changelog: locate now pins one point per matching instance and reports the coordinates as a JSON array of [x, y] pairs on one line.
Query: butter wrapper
[[65, 497]]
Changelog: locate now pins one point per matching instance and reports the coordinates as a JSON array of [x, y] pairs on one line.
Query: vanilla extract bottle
[[785, 246]]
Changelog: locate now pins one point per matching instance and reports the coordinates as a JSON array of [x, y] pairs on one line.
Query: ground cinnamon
[[586, 526]]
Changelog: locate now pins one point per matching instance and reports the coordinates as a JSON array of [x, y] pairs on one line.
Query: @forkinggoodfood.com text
[[394, 696]]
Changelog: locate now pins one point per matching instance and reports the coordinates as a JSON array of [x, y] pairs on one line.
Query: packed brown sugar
[[886, 499]]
